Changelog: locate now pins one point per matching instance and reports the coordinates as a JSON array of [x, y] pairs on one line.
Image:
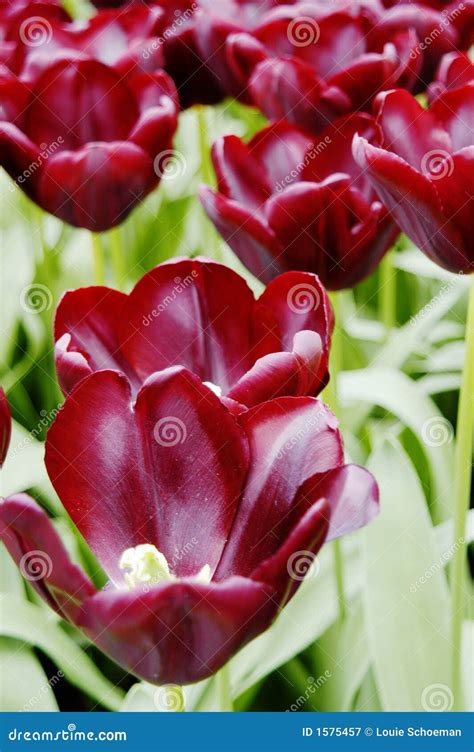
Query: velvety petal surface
[[179, 633], [127, 472], [34, 544], [194, 313], [290, 439]]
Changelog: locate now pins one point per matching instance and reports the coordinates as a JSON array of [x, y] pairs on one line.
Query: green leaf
[[35, 626], [397, 393], [24, 685], [310, 613], [405, 594], [341, 656]]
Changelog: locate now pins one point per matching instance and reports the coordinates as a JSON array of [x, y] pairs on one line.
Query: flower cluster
[[192, 452]]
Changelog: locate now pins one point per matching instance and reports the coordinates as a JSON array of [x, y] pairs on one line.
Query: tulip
[[5, 426], [311, 65], [287, 201], [28, 21], [127, 40], [421, 164], [204, 522], [85, 144], [439, 31], [201, 315], [455, 69]]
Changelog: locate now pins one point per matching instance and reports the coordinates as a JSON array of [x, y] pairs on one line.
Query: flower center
[[214, 388], [145, 565]]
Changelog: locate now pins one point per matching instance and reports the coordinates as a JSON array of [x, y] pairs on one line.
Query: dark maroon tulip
[[26, 20], [85, 144], [421, 163], [5, 426], [204, 522], [127, 40], [455, 69], [286, 201], [310, 64], [201, 315], [439, 31]]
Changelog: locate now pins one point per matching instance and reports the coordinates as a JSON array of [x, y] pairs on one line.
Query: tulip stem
[[331, 397], [462, 484], [388, 293], [223, 685], [98, 259], [118, 260]]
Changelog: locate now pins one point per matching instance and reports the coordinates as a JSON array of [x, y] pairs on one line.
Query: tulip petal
[[282, 151], [414, 203], [408, 129], [239, 174], [36, 547], [455, 110], [194, 313], [97, 186], [89, 318], [66, 95], [127, 474], [178, 633], [352, 496], [291, 439], [5, 426], [250, 238]]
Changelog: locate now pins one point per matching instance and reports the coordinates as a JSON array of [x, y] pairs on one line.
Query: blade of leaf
[[31, 624], [407, 610]]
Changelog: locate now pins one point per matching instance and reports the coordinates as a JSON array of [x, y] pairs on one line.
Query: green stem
[[388, 293], [209, 233], [223, 685], [462, 483], [330, 395], [118, 260], [98, 259]]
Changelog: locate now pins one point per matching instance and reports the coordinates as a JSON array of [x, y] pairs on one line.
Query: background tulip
[[421, 164], [176, 471], [286, 201], [83, 143]]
